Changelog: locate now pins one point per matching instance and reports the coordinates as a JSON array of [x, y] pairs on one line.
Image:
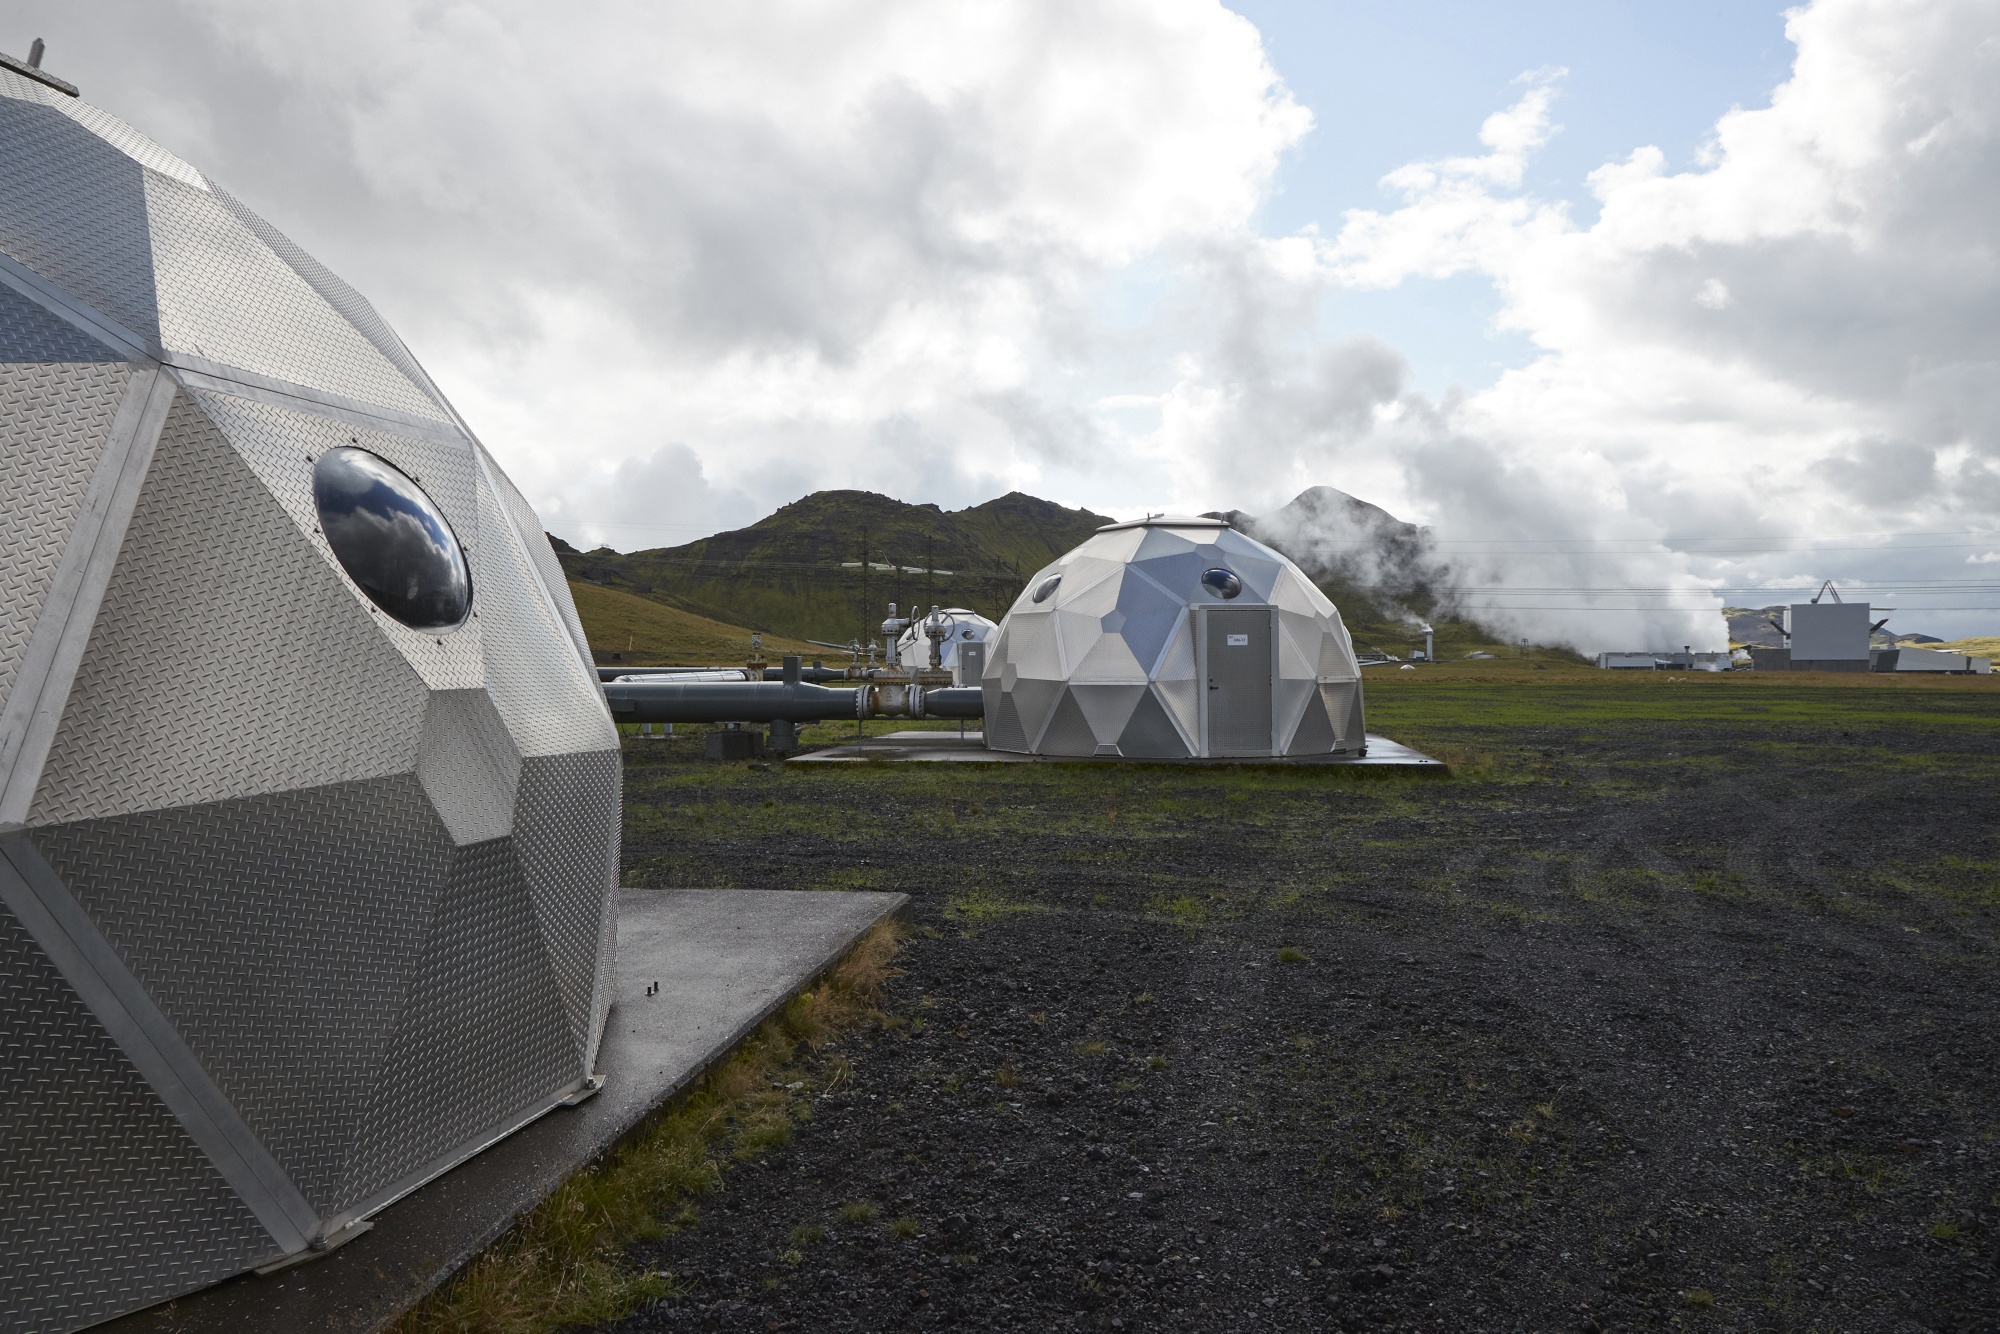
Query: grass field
[[1676, 1006], [1677, 1003]]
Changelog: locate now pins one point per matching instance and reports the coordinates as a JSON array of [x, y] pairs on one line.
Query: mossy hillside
[[798, 571], [625, 628]]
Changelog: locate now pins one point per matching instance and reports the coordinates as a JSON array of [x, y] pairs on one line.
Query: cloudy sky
[[1676, 302]]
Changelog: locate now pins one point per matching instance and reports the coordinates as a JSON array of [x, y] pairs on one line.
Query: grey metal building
[[308, 798], [1172, 638]]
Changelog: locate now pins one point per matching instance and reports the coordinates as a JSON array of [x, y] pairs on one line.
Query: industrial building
[[309, 803], [1685, 660]]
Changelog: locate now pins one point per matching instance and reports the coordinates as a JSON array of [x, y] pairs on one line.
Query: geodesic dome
[[309, 802], [913, 647], [1172, 638]]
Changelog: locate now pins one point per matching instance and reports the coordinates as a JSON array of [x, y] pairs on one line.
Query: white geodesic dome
[[1172, 638]]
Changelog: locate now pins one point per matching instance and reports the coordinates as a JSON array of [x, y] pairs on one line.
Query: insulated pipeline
[[664, 700]]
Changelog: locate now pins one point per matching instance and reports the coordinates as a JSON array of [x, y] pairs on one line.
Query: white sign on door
[[1239, 641]]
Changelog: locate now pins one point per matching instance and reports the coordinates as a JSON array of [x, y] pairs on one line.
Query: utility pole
[[865, 602], [930, 598]]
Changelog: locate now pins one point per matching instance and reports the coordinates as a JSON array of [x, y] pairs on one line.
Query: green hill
[[826, 567], [625, 628]]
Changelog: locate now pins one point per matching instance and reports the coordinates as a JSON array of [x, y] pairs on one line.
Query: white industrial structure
[[958, 627], [1172, 638]]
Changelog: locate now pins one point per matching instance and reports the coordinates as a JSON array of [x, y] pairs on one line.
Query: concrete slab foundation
[[941, 746], [725, 961]]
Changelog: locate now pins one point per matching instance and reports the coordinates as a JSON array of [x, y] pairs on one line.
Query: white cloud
[[1802, 337], [684, 263]]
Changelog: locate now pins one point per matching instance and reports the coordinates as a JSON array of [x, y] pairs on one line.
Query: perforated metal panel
[[1344, 706], [482, 1035], [1003, 722], [94, 1170], [1236, 672], [54, 421], [1315, 735], [227, 659]]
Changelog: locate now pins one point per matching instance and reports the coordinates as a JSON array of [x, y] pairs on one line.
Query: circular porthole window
[[1047, 588], [1221, 582], [391, 539]]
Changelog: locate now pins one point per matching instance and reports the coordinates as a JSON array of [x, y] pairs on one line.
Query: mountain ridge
[[825, 566]]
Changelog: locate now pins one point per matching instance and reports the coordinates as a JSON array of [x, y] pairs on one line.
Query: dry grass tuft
[[564, 1263]]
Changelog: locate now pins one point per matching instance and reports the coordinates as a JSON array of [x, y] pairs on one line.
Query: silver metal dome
[[305, 886], [1172, 638]]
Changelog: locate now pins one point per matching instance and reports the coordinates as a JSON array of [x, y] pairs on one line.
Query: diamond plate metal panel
[[279, 935], [280, 444], [468, 765], [566, 828], [127, 140], [106, 1205], [227, 659], [535, 539], [349, 304], [551, 705], [74, 211], [225, 297], [482, 1036], [30, 333], [54, 421]]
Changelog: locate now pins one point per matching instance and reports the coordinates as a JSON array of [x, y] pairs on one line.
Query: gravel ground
[[1636, 1024]]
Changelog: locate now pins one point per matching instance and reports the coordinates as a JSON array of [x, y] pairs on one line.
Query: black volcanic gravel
[[1660, 1026]]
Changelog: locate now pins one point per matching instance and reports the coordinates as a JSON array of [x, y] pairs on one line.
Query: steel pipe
[[664, 700], [668, 701], [955, 702]]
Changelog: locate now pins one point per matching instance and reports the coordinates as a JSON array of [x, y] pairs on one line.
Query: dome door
[[1237, 664]]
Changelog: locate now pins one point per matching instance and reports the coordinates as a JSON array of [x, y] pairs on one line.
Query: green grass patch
[[564, 1263]]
